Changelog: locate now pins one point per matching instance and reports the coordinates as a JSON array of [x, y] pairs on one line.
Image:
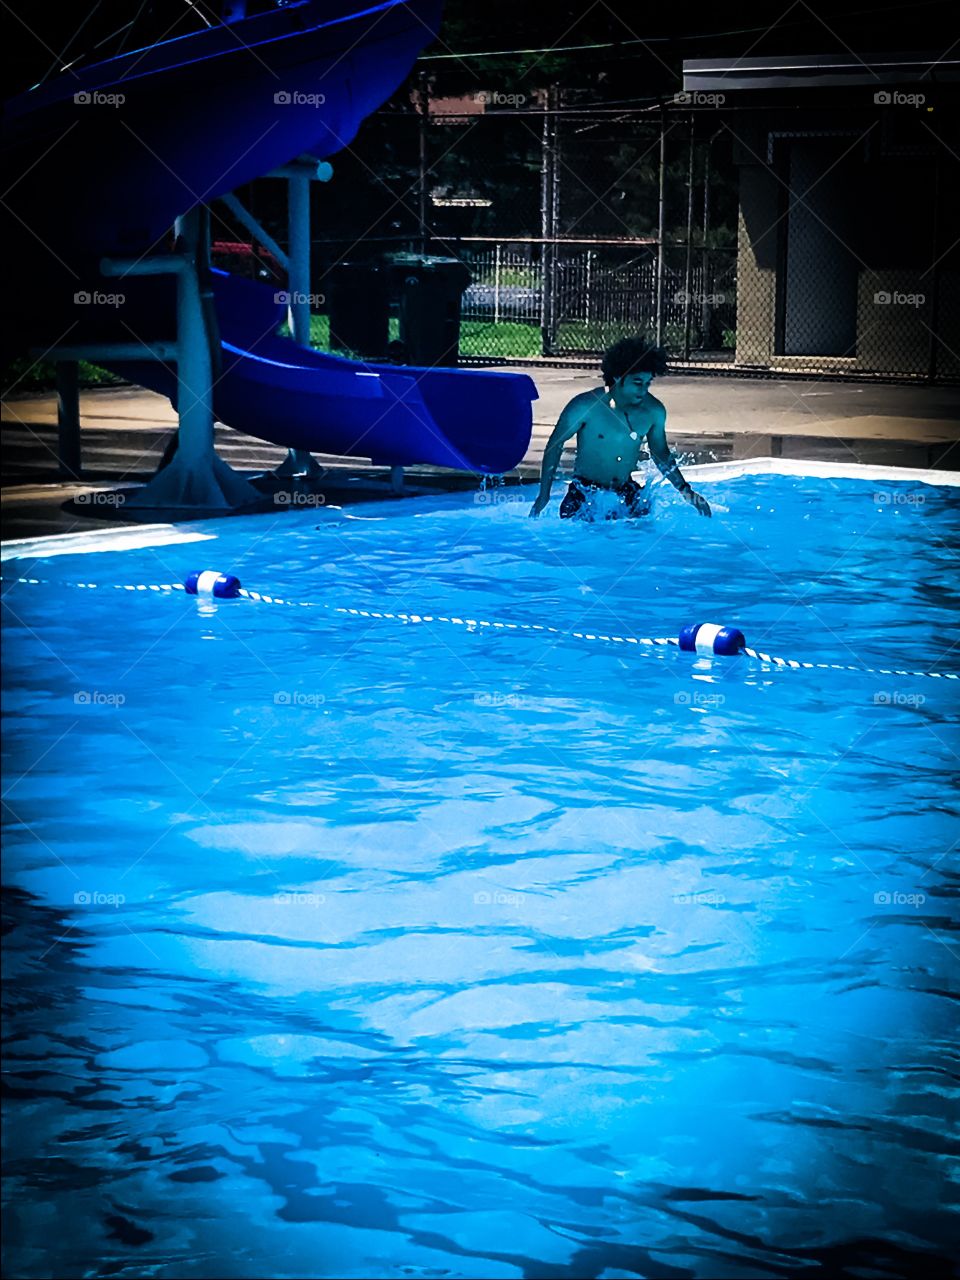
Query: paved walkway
[[709, 419], [699, 405]]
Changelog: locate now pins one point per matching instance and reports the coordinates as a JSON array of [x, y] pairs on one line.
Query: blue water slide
[[269, 387], [101, 160]]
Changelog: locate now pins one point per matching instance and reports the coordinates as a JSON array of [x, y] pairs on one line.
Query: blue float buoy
[[711, 637], [209, 582]]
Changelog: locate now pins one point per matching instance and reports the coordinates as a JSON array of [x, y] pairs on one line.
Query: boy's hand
[[697, 500], [541, 501]]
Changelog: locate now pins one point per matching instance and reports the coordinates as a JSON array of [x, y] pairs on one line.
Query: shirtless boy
[[611, 424]]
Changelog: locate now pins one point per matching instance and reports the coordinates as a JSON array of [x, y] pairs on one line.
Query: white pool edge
[[124, 538], [819, 470], [127, 538]]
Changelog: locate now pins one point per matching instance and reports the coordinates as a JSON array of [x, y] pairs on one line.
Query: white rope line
[[841, 666], [260, 597]]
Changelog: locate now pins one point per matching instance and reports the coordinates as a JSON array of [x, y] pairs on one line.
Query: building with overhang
[[849, 210]]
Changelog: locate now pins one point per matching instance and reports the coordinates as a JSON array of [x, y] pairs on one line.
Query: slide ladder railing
[[196, 478]]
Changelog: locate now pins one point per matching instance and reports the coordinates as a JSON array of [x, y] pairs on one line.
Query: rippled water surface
[[345, 946]]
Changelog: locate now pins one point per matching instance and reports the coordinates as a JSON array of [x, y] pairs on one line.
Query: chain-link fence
[[814, 241], [581, 298], [846, 260]]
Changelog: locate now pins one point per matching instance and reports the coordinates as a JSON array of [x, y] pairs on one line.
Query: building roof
[[823, 71]]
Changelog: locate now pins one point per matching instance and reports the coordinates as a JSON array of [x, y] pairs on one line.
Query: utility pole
[[661, 223], [554, 215], [688, 267], [549, 200], [424, 104], [706, 307], [934, 311], [705, 319]]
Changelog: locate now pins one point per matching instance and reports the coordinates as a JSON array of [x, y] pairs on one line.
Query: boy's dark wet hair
[[632, 355]]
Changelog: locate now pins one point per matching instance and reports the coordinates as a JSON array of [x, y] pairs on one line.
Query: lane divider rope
[[646, 642]]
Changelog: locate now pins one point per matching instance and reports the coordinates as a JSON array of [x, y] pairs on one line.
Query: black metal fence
[[579, 298]]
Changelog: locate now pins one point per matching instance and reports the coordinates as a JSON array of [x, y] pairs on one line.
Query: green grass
[[510, 339], [477, 337], [25, 375], [577, 335], [514, 340]]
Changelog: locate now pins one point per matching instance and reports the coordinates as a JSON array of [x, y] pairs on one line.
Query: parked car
[[516, 302]]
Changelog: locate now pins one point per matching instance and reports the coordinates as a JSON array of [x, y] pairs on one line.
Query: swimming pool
[[350, 946]]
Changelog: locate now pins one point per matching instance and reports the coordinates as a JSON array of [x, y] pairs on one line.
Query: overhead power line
[[621, 44]]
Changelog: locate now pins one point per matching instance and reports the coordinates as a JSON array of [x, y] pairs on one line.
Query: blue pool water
[[344, 946]]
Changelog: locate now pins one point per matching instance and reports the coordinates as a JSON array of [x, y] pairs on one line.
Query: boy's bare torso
[[609, 439]]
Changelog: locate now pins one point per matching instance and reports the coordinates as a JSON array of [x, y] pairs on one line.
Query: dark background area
[[611, 64], [640, 53]]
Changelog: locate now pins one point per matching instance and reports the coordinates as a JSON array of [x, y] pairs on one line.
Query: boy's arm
[[568, 424], [667, 463]]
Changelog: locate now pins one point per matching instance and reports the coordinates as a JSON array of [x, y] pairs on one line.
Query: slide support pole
[[299, 461]]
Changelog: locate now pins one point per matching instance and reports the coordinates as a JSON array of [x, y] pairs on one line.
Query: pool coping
[[127, 538], [820, 470], [123, 538]]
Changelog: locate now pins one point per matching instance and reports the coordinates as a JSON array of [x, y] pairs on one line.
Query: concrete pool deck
[[709, 419]]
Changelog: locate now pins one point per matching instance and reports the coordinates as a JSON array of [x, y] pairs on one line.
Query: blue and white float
[[712, 637], [208, 582]]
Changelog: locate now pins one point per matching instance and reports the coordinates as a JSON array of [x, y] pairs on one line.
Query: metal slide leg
[[299, 461], [197, 478], [298, 175]]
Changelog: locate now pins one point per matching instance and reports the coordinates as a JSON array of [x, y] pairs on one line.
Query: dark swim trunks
[[576, 501]]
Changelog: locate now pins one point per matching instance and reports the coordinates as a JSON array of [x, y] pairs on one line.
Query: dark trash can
[[429, 291], [359, 308]]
